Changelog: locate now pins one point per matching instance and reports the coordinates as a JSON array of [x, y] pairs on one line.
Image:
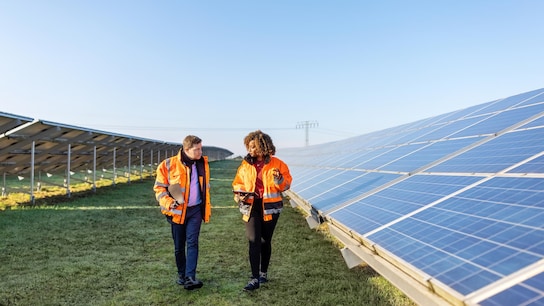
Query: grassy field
[[113, 247]]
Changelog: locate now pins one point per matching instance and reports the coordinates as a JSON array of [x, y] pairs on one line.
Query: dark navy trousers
[[185, 238]]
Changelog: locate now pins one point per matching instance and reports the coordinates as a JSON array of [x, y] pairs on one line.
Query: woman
[[257, 186]]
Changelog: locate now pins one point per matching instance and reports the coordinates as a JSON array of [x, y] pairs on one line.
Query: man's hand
[[174, 205]]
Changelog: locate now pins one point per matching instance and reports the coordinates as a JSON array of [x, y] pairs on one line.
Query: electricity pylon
[[306, 125]]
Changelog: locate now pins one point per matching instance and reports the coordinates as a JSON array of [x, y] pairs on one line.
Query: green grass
[[113, 247]]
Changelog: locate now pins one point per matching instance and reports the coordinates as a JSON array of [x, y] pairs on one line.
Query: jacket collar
[[189, 162], [252, 160], [185, 159]]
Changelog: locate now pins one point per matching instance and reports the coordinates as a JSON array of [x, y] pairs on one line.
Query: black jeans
[[259, 234]]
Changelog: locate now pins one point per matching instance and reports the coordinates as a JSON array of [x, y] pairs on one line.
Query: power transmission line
[[221, 129]]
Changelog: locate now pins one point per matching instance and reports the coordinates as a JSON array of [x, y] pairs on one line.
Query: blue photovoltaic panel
[[521, 99], [528, 292], [501, 121], [483, 234], [428, 154], [304, 173], [473, 110], [534, 166], [335, 161], [497, 154], [307, 172], [537, 96], [535, 123], [388, 140], [374, 140], [448, 117], [418, 124], [386, 157], [415, 135], [518, 200], [392, 140], [346, 187], [332, 181], [448, 130], [355, 158], [467, 209], [398, 200], [364, 157], [321, 174], [409, 133]]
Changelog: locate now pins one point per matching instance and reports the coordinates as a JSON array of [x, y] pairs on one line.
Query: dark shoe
[[263, 277], [252, 285], [180, 280], [192, 283]]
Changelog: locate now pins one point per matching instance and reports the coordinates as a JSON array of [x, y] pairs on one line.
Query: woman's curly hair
[[263, 142]]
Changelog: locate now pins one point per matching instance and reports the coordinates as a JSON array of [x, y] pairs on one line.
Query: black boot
[[252, 285], [192, 283]]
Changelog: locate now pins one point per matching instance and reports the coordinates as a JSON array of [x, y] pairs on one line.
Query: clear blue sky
[[220, 69]]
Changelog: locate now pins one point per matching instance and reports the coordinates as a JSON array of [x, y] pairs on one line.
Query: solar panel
[[489, 242], [453, 202], [398, 200], [533, 166], [497, 154], [528, 292], [31, 147], [347, 186], [314, 180], [501, 121], [9, 121], [427, 154], [517, 100], [51, 143]]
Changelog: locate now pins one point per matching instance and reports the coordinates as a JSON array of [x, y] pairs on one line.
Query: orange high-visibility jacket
[[272, 197], [173, 171]]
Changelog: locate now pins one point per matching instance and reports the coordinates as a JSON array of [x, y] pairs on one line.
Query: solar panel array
[[51, 141], [30, 145], [456, 200]]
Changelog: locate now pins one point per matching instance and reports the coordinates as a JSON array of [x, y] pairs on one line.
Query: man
[[182, 190]]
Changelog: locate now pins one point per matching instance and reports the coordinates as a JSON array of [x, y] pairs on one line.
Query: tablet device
[[244, 193]]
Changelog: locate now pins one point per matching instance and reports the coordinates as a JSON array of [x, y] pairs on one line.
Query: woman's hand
[[277, 174]]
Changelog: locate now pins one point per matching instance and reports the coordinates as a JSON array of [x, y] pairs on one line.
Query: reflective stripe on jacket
[[173, 171], [272, 197]]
